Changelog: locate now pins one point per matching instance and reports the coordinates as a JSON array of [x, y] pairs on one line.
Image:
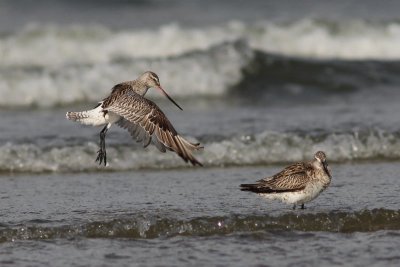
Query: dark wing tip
[[196, 162], [184, 149], [198, 146], [195, 146], [257, 188], [248, 187]]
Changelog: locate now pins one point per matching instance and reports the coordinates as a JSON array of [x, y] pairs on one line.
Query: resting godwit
[[127, 107], [297, 184]]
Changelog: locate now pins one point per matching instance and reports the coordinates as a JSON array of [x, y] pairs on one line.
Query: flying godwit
[[297, 184], [127, 107]]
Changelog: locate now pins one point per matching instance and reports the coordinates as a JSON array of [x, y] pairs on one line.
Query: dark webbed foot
[[294, 206], [102, 154], [302, 206]]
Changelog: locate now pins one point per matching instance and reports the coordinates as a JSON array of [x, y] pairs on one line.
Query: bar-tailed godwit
[[127, 107], [297, 184]]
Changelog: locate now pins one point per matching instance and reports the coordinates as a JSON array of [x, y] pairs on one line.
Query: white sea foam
[[46, 45], [209, 72], [265, 148], [354, 39]]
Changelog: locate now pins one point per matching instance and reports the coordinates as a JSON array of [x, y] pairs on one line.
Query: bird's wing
[[293, 177], [136, 131], [290, 179], [146, 122]]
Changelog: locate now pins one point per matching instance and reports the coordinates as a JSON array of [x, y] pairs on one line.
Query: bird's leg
[[102, 154], [302, 206], [294, 206]]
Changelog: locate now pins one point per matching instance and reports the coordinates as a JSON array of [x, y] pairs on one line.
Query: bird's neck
[[139, 87], [319, 167]]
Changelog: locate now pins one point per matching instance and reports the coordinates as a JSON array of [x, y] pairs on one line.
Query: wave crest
[[50, 45], [208, 73], [264, 148], [46, 65], [149, 227]]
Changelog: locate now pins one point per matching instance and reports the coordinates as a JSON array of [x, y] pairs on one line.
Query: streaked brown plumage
[[296, 184], [127, 107]]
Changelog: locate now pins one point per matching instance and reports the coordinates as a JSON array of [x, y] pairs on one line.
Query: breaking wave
[[44, 65], [198, 73], [149, 227], [47, 45], [265, 148]]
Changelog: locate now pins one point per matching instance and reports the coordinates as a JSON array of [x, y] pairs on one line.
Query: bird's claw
[[101, 157]]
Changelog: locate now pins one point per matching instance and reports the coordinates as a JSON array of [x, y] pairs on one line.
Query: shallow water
[[250, 249], [197, 216]]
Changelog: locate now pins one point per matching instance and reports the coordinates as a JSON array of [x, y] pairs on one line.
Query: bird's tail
[[93, 117]]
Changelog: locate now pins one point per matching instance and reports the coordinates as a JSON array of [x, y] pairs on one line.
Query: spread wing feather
[[136, 131], [146, 122]]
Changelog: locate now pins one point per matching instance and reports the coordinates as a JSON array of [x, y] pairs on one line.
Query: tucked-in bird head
[[320, 158], [150, 79]]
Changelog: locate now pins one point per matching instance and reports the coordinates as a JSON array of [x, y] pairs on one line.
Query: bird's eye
[[155, 79]]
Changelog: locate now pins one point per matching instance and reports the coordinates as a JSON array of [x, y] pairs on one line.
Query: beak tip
[[165, 93]]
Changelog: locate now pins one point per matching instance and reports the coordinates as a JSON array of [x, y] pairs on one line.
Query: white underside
[[299, 197], [96, 117]]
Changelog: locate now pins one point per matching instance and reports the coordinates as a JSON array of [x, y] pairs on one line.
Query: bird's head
[[151, 80], [320, 157]]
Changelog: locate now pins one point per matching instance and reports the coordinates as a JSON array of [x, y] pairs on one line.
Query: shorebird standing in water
[[127, 107], [297, 184]]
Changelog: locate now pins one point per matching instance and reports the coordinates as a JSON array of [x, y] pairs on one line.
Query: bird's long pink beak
[[165, 93]]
